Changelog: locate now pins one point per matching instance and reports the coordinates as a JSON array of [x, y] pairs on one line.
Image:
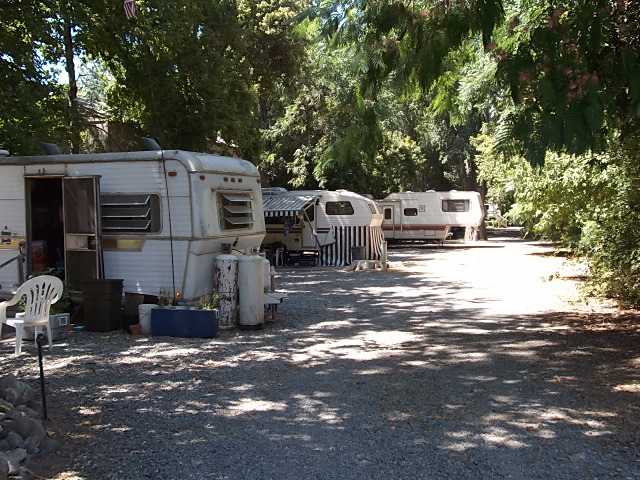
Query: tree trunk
[[74, 119]]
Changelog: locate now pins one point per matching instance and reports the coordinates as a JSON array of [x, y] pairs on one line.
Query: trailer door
[[388, 222], [83, 248]]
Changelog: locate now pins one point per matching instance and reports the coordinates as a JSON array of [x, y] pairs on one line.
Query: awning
[[283, 205]]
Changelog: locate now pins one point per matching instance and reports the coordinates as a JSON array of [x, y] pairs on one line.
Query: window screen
[[236, 210], [455, 205], [339, 208], [139, 213], [410, 212]]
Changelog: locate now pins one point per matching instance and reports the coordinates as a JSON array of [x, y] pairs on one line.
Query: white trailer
[[335, 226], [156, 219], [429, 216]]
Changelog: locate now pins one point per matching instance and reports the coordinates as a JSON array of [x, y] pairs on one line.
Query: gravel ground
[[461, 362]]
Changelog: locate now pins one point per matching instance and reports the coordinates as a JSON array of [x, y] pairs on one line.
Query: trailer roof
[[193, 161]]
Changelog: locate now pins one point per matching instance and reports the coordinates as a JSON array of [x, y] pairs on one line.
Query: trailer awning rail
[[282, 205]]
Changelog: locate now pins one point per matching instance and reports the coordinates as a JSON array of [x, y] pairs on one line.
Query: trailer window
[[236, 210], [339, 208], [387, 214], [311, 212], [455, 205], [125, 213], [410, 212]]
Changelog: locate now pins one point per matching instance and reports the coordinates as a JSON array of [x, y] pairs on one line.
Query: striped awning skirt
[[340, 252]]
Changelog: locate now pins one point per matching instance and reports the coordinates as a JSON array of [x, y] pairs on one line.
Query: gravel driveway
[[461, 362]]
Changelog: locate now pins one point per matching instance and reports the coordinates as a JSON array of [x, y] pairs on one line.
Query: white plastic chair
[[40, 292]]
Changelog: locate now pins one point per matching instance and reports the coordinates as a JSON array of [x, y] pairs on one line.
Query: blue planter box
[[174, 322]]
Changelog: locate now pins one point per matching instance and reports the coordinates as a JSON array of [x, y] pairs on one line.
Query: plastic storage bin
[[180, 322], [102, 299], [59, 328]]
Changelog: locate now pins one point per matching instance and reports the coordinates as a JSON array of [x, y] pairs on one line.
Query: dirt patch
[[620, 321]]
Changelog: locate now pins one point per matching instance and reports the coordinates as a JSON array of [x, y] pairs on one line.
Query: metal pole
[[383, 255], [39, 341]]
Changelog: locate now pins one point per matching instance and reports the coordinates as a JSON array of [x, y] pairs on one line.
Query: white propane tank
[[251, 291], [226, 283], [266, 274]]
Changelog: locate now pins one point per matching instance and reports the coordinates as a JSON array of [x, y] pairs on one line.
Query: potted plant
[[197, 320]]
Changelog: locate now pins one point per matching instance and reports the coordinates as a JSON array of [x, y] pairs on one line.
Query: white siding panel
[[147, 271], [135, 177], [9, 273], [123, 177], [11, 183], [13, 216], [180, 217], [146, 177]]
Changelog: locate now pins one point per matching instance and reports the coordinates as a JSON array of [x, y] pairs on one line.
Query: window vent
[[130, 213], [235, 210]]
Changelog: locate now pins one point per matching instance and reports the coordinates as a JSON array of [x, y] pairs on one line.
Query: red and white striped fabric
[[130, 9]]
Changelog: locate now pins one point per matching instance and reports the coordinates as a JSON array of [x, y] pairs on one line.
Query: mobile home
[[155, 219], [334, 226], [429, 216]]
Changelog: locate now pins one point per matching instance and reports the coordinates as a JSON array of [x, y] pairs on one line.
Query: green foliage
[[573, 70], [560, 200], [612, 240], [208, 301], [32, 104]]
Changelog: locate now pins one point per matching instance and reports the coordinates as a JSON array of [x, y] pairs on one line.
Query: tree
[[573, 70], [32, 102]]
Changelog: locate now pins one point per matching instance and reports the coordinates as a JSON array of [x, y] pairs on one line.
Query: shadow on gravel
[[379, 379]]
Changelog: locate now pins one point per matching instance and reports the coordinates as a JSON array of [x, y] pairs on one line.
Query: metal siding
[[180, 217], [13, 217], [11, 183], [9, 273], [147, 271]]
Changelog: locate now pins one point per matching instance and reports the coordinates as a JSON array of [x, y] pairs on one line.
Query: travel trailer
[[156, 219], [334, 227], [429, 216]]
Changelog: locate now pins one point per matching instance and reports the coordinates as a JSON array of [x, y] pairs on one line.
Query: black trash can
[[357, 253], [102, 300]]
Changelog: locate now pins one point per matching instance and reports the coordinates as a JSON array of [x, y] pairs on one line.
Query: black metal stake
[[40, 340]]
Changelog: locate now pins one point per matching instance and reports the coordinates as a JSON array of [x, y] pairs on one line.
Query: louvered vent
[[130, 213], [236, 210]]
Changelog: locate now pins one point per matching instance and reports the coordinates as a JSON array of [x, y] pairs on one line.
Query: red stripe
[[399, 228]]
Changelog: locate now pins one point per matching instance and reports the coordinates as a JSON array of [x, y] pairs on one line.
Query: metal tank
[[251, 290], [226, 282]]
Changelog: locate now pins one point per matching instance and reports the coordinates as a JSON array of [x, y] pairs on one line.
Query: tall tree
[[31, 100]]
